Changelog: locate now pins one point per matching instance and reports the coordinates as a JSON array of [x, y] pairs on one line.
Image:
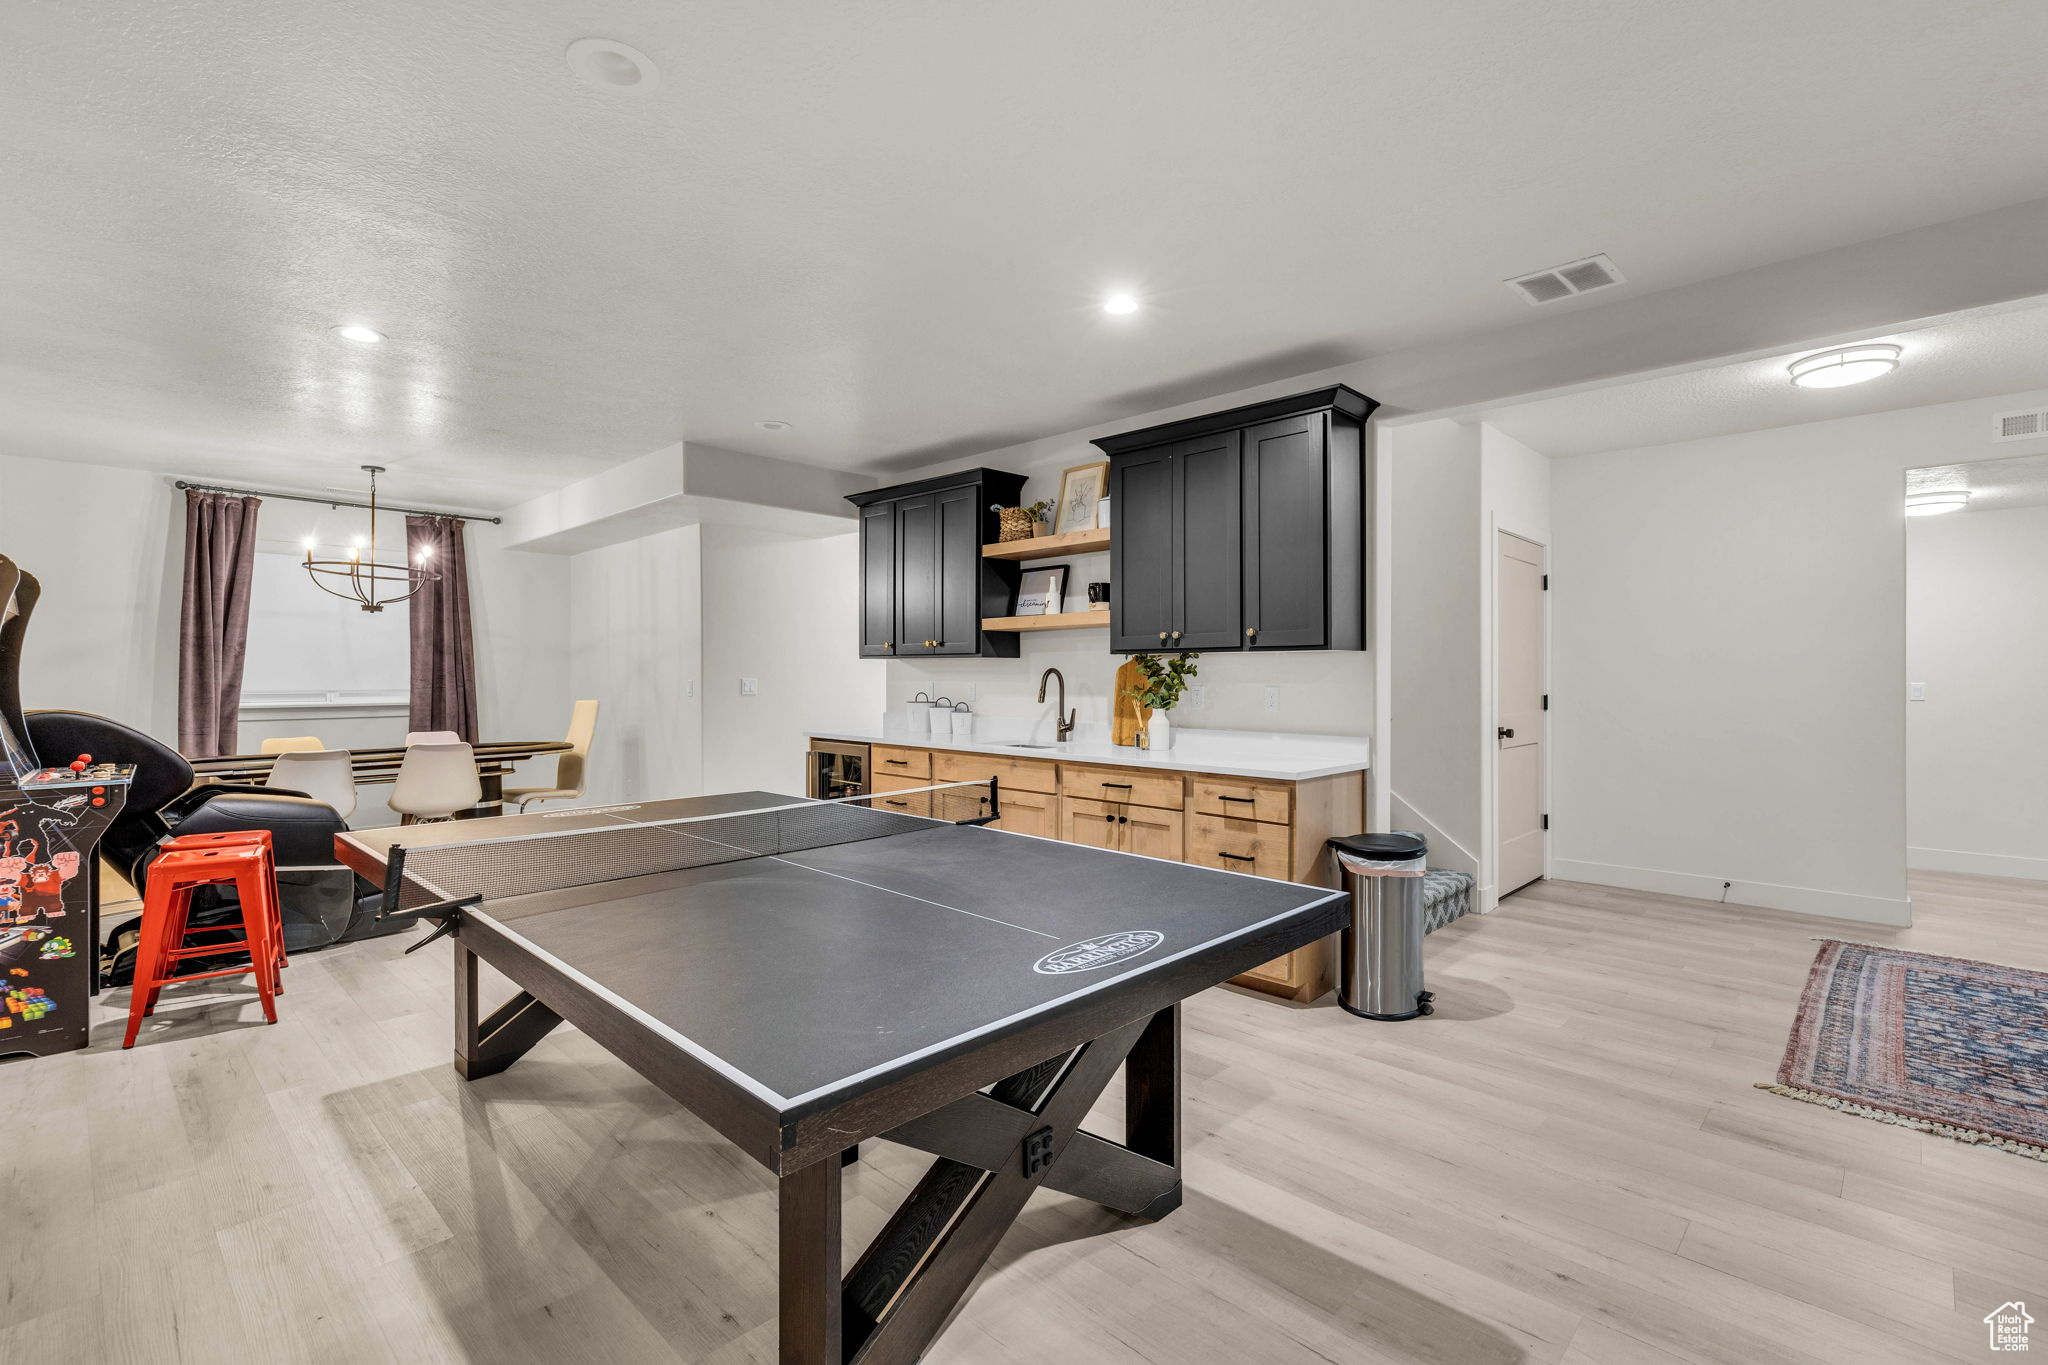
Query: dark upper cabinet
[[1243, 529], [924, 585]]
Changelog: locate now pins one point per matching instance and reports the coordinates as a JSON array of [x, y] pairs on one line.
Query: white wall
[[1514, 496], [1433, 763], [1977, 639], [635, 633], [1728, 632], [784, 612]]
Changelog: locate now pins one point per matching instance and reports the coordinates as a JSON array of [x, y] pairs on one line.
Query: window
[[308, 649]]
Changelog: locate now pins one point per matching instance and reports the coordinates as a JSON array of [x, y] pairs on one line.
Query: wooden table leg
[[809, 1266]]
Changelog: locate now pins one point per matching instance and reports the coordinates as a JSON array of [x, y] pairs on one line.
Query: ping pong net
[[429, 875]]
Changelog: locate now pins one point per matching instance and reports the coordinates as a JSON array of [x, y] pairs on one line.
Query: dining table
[[494, 758]]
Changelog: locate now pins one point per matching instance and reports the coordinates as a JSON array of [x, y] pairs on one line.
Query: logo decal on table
[[1089, 954]]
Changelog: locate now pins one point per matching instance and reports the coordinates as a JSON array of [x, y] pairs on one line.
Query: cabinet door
[[1208, 603], [957, 571], [1029, 813], [878, 580], [1154, 833], [1093, 823], [1141, 551], [917, 574], [1286, 491]]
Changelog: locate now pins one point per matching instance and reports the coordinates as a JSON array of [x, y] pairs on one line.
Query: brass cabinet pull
[[1176, 635], [1250, 631], [1162, 635]]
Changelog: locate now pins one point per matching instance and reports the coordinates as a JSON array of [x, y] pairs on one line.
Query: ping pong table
[[807, 975]]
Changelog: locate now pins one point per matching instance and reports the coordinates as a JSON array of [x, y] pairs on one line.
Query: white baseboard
[[1983, 864], [1802, 900]]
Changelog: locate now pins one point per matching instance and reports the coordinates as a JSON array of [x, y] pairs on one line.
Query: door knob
[[1505, 733]]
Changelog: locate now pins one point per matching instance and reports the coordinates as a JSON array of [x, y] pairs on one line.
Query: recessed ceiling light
[[1120, 303], [772, 425], [1934, 504], [355, 331], [613, 66], [1843, 366]]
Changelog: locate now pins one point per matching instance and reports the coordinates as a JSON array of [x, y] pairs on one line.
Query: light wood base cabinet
[[1257, 826]]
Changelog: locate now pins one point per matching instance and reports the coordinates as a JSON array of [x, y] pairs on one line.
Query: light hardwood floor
[[1567, 1164]]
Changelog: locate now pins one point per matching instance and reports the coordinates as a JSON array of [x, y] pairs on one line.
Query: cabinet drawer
[[885, 798], [1125, 828], [1011, 774], [890, 761], [1140, 788], [1239, 845], [1028, 813], [1242, 798]]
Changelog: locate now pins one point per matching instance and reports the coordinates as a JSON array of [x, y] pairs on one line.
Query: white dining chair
[[569, 764], [435, 781], [327, 775], [291, 744], [432, 737]]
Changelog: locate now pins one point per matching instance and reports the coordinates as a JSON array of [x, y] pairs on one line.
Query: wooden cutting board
[[1126, 716]]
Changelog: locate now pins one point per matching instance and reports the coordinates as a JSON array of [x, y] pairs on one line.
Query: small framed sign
[[1081, 488], [1042, 590]]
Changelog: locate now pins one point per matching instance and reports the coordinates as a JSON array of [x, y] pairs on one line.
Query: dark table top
[[489, 753], [811, 976]]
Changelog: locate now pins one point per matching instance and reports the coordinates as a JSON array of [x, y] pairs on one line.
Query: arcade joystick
[[79, 764]]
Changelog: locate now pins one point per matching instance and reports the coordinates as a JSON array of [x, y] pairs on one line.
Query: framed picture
[[1081, 488], [1042, 590]]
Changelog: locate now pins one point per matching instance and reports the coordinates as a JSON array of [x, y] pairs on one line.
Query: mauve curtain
[[213, 619], [443, 656]]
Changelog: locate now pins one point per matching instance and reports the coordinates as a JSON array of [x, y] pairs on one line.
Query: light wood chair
[[294, 744], [432, 737], [435, 781], [328, 776], [569, 764]]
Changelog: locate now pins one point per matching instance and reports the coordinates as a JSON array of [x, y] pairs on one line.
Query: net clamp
[[447, 917]]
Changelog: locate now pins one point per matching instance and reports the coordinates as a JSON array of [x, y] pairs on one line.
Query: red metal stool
[[173, 877], [234, 839]]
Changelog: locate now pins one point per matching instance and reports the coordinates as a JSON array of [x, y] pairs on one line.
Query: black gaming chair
[[321, 900]]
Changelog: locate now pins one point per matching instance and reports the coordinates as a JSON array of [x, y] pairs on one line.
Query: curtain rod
[[336, 502]]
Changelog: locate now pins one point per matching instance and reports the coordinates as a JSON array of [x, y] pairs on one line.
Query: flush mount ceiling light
[[613, 66], [1934, 504], [1844, 365], [773, 425], [356, 332], [1120, 304]]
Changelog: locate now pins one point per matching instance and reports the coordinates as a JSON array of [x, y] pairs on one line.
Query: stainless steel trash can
[[1381, 967]]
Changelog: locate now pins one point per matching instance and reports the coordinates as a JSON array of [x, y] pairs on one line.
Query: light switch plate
[[1916, 691], [1272, 699], [1198, 697], [750, 687], [690, 688]]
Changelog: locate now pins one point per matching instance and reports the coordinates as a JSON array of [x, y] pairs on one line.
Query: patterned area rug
[[1940, 1044]]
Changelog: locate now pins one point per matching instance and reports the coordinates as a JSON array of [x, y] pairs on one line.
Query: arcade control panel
[[51, 821]]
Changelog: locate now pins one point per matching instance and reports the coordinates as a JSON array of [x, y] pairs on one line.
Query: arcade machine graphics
[[50, 822]]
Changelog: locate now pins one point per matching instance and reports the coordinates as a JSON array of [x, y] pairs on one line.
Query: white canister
[[917, 713]]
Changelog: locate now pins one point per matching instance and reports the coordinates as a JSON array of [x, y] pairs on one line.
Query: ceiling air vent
[[1564, 281], [2025, 425]]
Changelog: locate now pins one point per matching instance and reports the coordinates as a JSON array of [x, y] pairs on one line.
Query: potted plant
[[1165, 678], [1020, 523]]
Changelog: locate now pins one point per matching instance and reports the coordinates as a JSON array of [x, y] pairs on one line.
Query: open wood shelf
[[1068, 620], [1045, 547]]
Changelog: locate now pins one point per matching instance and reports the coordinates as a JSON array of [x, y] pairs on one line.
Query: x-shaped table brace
[[994, 1148]]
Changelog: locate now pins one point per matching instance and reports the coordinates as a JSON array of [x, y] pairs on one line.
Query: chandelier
[[362, 578]]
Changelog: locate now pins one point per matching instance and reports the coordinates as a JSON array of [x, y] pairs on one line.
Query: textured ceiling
[[1995, 485], [888, 223], [1977, 355]]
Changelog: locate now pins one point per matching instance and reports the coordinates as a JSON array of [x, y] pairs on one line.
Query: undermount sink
[[1033, 746]]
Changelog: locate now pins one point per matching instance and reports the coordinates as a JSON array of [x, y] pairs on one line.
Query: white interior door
[[1518, 816]]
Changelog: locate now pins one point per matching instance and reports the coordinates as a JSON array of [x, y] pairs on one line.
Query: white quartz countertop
[[1232, 753]]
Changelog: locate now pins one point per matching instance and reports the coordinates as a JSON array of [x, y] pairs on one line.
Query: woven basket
[[1016, 523]]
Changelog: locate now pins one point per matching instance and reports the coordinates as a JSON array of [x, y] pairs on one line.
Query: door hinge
[[1546, 701], [1546, 582], [1546, 822]]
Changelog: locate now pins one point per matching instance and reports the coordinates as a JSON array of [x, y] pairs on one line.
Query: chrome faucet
[[1063, 718]]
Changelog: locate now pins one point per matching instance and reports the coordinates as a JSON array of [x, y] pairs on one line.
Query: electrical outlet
[[1198, 697], [970, 698], [750, 687], [1272, 699], [690, 688]]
